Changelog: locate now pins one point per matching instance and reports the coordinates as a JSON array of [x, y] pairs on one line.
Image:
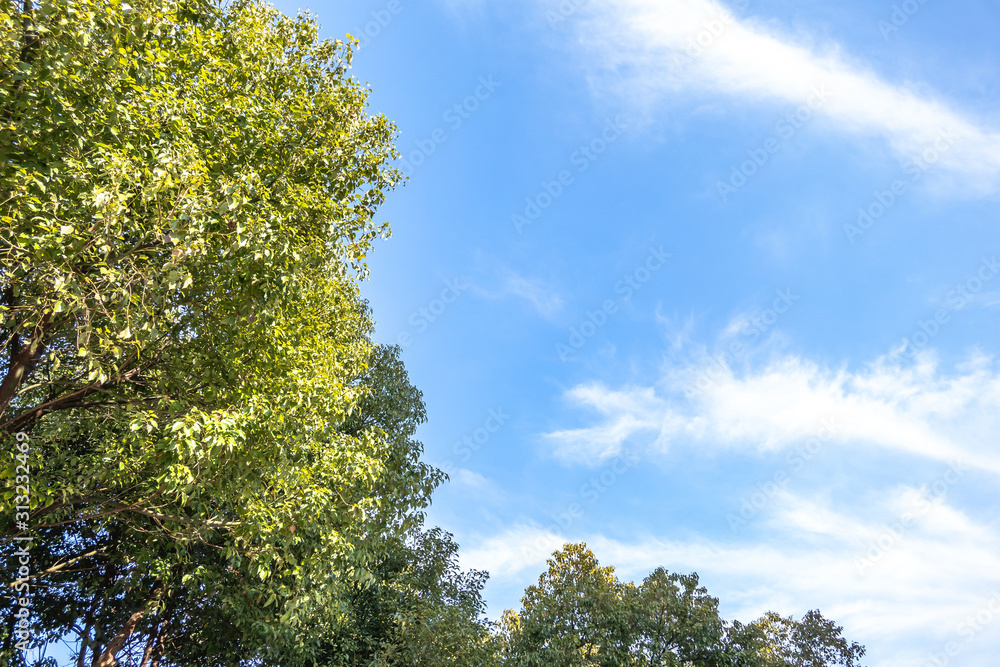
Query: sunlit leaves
[[186, 195], [579, 613]]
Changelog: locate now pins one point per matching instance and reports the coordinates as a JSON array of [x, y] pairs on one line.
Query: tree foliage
[[218, 450], [580, 614], [421, 610]]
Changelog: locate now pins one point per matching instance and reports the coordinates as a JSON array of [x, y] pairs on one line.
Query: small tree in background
[[579, 614]]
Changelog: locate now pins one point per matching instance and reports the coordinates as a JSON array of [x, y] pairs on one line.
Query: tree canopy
[[217, 446], [580, 614]]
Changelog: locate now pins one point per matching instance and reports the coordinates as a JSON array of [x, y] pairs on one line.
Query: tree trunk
[[150, 644], [22, 363], [117, 643], [85, 637], [161, 639]]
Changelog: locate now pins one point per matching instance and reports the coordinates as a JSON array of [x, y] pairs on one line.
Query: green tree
[[777, 641], [218, 450], [580, 614], [575, 615], [209, 611], [673, 621], [421, 610]]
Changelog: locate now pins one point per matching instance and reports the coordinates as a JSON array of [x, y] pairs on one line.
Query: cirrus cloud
[[649, 49]]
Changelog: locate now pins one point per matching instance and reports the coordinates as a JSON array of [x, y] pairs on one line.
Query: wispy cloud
[[624, 413], [914, 409], [518, 549], [903, 565], [546, 301], [656, 47], [986, 299], [470, 478]]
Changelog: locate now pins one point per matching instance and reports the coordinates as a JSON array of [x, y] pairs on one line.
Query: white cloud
[[915, 410], [901, 567], [472, 487], [544, 300], [625, 413], [519, 549], [470, 478], [986, 299], [657, 47]]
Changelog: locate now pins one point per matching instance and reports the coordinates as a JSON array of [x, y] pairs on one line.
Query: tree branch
[[63, 566], [107, 659], [69, 401], [23, 363]]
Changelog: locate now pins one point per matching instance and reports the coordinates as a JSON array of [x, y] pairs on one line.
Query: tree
[[579, 613], [813, 641], [421, 610], [214, 613], [218, 450], [168, 174], [575, 615], [673, 621]]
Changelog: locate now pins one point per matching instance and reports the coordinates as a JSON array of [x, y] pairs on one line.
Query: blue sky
[[711, 286]]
